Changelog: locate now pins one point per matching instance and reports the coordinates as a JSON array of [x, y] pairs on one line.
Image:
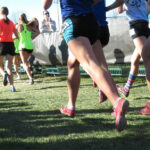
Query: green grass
[[30, 118]]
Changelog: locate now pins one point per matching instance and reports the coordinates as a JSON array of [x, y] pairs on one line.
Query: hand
[[46, 4]]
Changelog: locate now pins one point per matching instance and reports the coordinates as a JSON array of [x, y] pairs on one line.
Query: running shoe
[[31, 81], [68, 112], [18, 77], [123, 91], [94, 84], [120, 110], [102, 97], [146, 109], [5, 82], [12, 89], [32, 74], [148, 105]]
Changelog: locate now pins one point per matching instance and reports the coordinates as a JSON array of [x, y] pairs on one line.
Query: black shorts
[[17, 54], [27, 50], [7, 48], [82, 25], [139, 28], [103, 35]]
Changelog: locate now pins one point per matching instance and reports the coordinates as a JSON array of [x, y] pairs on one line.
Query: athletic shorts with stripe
[[83, 25]]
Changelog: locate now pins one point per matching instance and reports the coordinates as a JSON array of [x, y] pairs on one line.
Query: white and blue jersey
[[99, 10], [75, 7], [136, 10]]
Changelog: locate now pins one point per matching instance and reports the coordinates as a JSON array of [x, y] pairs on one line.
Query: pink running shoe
[[102, 97], [148, 105], [68, 112], [122, 90], [120, 110], [146, 109], [94, 84]]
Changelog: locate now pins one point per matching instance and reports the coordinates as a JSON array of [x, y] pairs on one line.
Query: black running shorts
[[7, 48], [27, 50], [139, 28], [103, 35]]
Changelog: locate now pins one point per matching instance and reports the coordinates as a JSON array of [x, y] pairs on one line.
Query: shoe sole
[[5, 82], [14, 90], [122, 122], [31, 83], [120, 89], [142, 113]]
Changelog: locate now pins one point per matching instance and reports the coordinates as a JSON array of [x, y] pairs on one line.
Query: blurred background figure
[[16, 58], [47, 24], [25, 30], [7, 49]]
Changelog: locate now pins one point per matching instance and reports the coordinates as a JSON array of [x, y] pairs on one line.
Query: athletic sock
[[131, 79], [71, 107]]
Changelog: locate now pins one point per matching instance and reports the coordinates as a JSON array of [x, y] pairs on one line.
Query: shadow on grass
[[60, 86], [142, 98], [93, 111], [11, 99], [49, 87], [140, 85], [17, 128], [26, 124], [54, 78], [118, 143]]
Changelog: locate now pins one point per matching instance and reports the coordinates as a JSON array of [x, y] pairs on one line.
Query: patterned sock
[[131, 79]]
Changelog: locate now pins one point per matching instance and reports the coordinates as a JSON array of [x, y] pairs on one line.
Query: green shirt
[[25, 39], [16, 43]]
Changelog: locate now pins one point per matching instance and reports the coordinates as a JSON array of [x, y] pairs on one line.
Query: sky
[[32, 8]]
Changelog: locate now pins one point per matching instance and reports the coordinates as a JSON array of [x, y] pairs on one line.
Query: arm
[[114, 5], [46, 3], [20, 28], [120, 9], [16, 34], [35, 32], [50, 27]]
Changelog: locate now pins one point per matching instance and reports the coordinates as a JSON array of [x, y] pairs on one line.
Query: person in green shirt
[[25, 29], [17, 59]]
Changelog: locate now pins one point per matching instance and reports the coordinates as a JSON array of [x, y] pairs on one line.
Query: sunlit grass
[[30, 118]]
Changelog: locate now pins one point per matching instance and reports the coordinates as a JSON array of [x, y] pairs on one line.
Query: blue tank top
[[75, 7], [99, 10], [136, 10]]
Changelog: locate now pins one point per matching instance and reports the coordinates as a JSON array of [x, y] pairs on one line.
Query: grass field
[[30, 118]]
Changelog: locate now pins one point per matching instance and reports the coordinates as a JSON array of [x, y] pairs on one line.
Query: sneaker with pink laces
[[102, 97], [146, 109], [69, 112], [94, 84], [123, 91], [120, 110]]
